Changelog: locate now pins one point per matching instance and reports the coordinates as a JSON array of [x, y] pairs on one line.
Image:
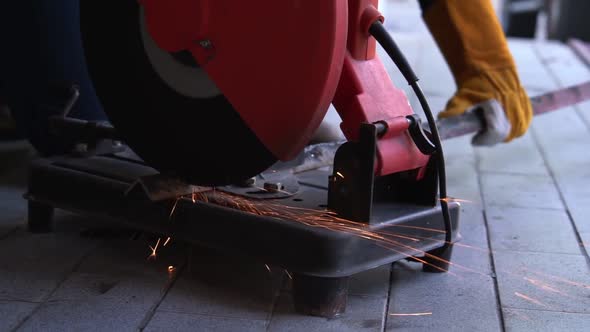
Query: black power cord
[[378, 31]]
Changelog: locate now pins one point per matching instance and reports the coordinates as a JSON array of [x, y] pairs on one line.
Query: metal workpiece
[[473, 121], [266, 186], [322, 154]]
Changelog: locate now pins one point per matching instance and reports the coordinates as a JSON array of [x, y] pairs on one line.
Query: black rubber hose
[[383, 37]]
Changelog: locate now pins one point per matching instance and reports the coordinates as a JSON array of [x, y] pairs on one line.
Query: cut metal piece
[[274, 185]]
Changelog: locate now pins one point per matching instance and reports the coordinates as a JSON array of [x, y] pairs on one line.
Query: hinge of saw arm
[[354, 187]]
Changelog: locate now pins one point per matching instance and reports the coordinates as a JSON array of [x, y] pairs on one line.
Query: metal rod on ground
[[321, 155], [470, 123]]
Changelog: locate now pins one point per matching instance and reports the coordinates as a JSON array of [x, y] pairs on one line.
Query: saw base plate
[[305, 240]]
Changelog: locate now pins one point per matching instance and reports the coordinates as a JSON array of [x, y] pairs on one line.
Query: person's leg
[[41, 50]]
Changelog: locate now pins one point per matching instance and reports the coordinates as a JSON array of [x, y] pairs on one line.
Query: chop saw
[[214, 99]]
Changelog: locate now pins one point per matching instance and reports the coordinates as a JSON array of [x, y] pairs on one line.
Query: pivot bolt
[[273, 187], [206, 43]]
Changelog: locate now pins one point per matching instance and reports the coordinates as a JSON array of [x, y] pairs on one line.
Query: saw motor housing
[[278, 65]]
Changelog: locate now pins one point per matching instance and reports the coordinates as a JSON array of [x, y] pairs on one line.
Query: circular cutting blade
[[179, 71], [170, 113]]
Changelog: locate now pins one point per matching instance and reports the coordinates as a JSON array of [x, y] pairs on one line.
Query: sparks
[[193, 198], [545, 286], [434, 230], [452, 199], [171, 269], [173, 208], [416, 238], [560, 279], [289, 274], [340, 174], [154, 250], [267, 267], [527, 298], [413, 314], [331, 221], [166, 242]]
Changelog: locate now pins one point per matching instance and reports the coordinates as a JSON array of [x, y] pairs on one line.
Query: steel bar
[[322, 154], [471, 122]]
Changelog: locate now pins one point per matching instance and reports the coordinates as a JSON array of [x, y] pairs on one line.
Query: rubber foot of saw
[[317, 296], [438, 260]]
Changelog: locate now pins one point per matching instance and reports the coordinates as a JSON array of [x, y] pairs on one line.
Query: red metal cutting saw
[[216, 91]]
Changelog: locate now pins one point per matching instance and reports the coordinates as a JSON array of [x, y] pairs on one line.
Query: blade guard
[[277, 62], [280, 82]]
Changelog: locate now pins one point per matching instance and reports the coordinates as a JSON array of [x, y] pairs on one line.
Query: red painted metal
[[395, 126], [281, 63], [367, 94], [277, 62], [175, 25], [362, 13]]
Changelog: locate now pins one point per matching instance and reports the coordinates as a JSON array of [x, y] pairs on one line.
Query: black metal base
[[40, 217], [321, 259], [438, 260]]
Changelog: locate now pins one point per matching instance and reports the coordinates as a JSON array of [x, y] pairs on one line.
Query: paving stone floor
[[522, 264]]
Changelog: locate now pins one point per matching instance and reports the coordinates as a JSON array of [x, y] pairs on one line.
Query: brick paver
[[544, 321]]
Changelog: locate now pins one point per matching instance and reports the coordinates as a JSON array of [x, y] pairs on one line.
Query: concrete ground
[[522, 264]]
